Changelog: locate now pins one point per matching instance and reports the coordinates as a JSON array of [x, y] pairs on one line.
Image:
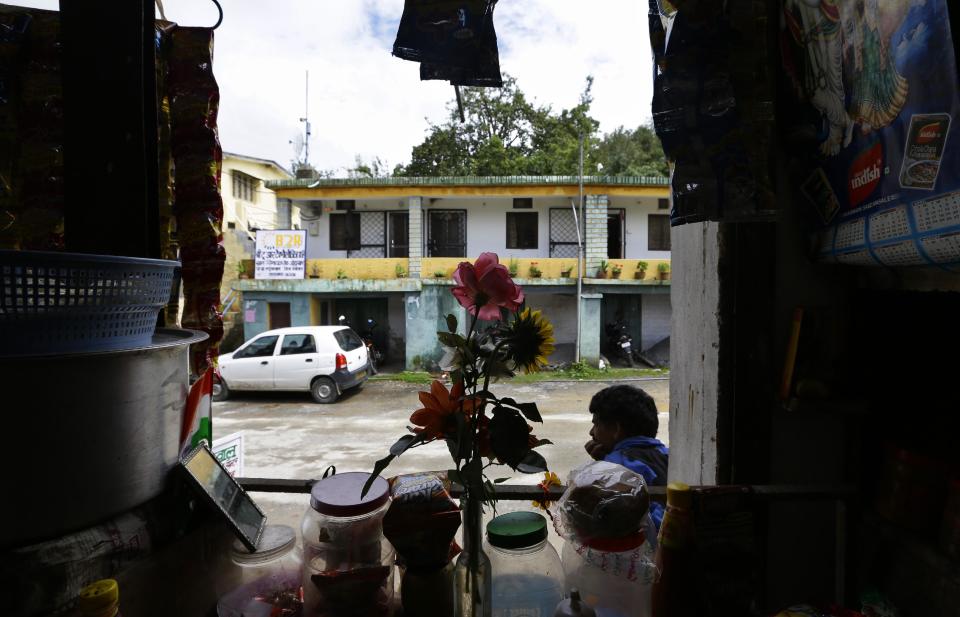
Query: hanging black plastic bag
[[454, 41]]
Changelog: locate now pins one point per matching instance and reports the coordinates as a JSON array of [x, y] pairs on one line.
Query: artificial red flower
[[482, 288], [435, 419]]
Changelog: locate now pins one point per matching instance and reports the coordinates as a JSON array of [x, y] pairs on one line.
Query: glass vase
[[472, 580]]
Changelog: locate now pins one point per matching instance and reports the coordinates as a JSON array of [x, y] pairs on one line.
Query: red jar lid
[[339, 495]]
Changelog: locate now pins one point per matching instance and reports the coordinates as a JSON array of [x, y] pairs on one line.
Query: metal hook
[[219, 19]]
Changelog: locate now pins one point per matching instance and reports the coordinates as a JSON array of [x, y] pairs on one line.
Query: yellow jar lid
[[99, 597], [678, 495]]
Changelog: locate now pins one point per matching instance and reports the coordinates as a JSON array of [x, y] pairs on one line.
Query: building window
[[522, 230], [244, 186], [663, 204], [523, 202], [344, 232], [346, 205], [658, 232]]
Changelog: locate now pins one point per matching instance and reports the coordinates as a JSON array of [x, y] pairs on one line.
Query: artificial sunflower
[[435, 419], [529, 341]]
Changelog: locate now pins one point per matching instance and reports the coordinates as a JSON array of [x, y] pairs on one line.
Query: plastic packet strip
[[197, 159]]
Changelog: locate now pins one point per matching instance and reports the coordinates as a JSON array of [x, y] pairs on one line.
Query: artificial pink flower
[[483, 287]]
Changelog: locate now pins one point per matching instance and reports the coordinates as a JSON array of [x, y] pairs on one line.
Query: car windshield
[[348, 339]]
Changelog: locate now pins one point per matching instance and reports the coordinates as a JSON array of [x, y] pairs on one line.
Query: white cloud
[[364, 101]]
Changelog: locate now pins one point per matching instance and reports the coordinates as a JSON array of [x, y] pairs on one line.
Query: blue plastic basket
[[72, 302]]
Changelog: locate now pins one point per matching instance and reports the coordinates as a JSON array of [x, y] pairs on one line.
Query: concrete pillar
[[426, 314], [595, 217], [590, 318], [415, 206], [694, 353]]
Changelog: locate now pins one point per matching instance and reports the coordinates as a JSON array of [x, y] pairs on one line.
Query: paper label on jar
[[926, 141]]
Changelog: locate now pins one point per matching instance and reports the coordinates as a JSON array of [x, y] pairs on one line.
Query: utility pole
[[580, 253]]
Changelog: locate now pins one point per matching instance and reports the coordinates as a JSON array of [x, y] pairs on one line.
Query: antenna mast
[[306, 123]]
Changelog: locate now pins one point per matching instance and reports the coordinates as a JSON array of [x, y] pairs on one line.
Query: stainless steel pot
[[90, 435]]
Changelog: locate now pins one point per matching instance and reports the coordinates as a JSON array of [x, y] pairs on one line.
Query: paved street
[[289, 436]]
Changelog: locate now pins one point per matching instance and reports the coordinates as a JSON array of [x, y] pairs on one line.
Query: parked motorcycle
[[620, 341], [373, 352]]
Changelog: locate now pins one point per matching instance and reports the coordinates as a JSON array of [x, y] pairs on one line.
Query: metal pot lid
[[162, 338], [339, 495], [276, 542]]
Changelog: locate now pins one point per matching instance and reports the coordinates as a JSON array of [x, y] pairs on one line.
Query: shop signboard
[[229, 451], [280, 254], [874, 128]]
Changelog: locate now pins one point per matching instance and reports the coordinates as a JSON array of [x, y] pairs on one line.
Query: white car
[[324, 360]]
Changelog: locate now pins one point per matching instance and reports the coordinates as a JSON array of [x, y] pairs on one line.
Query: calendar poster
[[873, 88]]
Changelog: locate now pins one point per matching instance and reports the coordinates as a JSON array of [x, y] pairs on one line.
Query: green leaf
[[530, 411], [377, 468], [404, 443], [500, 480], [532, 463], [487, 395], [452, 323], [508, 436], [542, 442], [451, 340]]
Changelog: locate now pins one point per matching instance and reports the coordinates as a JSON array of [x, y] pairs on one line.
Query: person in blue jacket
[[624, 431]]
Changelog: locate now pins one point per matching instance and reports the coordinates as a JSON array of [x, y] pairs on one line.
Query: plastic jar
[[526, 569], [348, 566], [616, 582], [268, 577]]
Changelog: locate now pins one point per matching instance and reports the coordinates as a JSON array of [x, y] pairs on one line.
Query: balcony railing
[[443, 268]]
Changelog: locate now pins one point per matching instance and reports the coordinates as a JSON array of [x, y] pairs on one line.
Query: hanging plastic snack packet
[[455, 41]]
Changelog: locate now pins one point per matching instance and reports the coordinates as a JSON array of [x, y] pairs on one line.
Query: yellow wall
[[375, 268], [379, 269], [263, 212]]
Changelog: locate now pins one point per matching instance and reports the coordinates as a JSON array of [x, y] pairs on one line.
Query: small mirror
[[207, 473]]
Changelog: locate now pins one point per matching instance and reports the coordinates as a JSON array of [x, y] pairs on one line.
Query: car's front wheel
[[323, 390], [220, 390]]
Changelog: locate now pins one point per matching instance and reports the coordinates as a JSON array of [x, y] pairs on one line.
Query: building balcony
[[382, 273]]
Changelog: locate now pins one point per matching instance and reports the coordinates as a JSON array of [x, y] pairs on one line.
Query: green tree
[[505, 134], [631, 153]]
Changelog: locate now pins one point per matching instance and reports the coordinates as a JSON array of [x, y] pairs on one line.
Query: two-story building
[[249, 205], [385, 248]]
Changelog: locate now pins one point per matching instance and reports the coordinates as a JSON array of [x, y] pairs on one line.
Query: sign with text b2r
[[281, 254]]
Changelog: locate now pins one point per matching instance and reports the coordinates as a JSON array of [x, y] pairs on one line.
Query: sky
[[363, 101]]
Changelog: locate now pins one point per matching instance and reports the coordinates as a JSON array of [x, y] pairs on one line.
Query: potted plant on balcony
[[440, 274], [341, 274], [616, 270], [566, 270], [535, 272], [514, 267], [602, 270], [400, 271], [242, 270], [314, 271], [641, 272], [664, 269]]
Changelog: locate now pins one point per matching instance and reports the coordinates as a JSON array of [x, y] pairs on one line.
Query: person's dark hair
[[631, 407]]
